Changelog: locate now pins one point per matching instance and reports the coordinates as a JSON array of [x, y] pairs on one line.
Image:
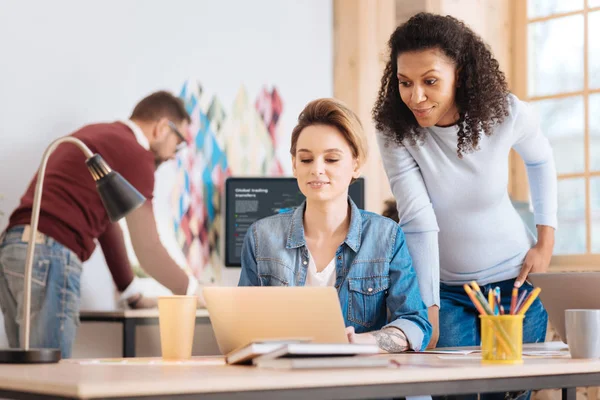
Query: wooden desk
[[130, 319], [419, 374]]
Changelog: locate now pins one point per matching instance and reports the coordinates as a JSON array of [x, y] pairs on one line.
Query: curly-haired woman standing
[[446, 125]]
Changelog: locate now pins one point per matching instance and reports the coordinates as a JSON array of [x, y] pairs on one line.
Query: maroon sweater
[[71, 210]]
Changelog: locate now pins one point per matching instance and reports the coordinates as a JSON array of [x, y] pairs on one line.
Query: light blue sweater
[[456, 214]]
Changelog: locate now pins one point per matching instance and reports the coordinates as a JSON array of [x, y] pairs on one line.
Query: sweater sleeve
[[534, 148], [115, 255], [416, 216]]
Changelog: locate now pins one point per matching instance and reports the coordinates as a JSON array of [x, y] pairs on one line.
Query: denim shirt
[[376, 283]]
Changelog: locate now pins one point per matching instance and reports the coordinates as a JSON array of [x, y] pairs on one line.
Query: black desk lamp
[[119, 198]]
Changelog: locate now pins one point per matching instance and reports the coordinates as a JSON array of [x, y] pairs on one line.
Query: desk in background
[[130, 319], [418, 374]]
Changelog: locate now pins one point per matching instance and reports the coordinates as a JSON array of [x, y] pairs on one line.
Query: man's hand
[[433, 314], [201, 303], [139, 301], [200, 296]]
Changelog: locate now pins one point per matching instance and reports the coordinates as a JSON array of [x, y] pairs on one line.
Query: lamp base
[[31, 356]]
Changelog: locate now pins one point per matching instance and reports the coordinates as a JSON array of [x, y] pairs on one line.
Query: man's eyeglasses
[[183, 142]]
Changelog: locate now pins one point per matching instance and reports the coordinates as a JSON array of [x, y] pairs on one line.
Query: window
[[561, 42]]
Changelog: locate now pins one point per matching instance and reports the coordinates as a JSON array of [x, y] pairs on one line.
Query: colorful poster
[[269, 106], [239, 142]]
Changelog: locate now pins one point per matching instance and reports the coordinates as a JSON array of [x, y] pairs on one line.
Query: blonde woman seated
[[328, 241]]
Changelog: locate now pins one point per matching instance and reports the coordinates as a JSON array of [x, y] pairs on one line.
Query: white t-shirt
[[323, 278]]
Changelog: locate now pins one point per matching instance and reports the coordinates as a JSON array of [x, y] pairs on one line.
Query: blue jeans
[[459, 320], [55, 291]]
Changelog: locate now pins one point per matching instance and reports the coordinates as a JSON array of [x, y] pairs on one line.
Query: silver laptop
[[566, 290], [241, 315]]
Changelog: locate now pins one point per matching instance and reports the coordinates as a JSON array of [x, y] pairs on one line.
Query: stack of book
[[297, 354]]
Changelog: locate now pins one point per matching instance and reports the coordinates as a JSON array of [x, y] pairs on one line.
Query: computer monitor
[[250, 199]]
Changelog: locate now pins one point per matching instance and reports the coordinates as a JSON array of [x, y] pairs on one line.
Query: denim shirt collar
[[296, 236]]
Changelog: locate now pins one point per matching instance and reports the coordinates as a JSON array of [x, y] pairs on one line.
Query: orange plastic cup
[[177, 320]]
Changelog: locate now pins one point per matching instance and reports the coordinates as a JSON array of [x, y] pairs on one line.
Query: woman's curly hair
[[481, 90]]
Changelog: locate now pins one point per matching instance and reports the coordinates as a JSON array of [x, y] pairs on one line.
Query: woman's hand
[[433, 314], [359, 338], [538, 257], [390, 340]]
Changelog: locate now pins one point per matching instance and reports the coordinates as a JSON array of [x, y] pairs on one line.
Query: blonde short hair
[[333, 113]]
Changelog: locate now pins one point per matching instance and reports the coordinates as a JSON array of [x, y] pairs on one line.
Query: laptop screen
[[250, 199]]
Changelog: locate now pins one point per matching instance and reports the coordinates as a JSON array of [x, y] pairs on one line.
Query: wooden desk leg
[[569, 393], [129, 337]]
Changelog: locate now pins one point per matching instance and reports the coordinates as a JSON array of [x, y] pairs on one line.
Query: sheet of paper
[[526, 354], [547, 353], [456, 352], [460, 357]]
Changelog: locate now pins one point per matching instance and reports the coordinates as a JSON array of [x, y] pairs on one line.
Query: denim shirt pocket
[[273, 272], [367, 299]]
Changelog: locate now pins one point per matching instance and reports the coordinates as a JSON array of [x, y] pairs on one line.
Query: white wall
[[66, 63]]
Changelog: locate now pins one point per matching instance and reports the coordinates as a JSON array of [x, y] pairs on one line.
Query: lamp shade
[[118, 196]]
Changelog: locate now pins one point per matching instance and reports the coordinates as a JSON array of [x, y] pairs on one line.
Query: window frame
[[518, 185]]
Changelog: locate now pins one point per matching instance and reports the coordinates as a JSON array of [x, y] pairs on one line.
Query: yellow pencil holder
[[501, 339]]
